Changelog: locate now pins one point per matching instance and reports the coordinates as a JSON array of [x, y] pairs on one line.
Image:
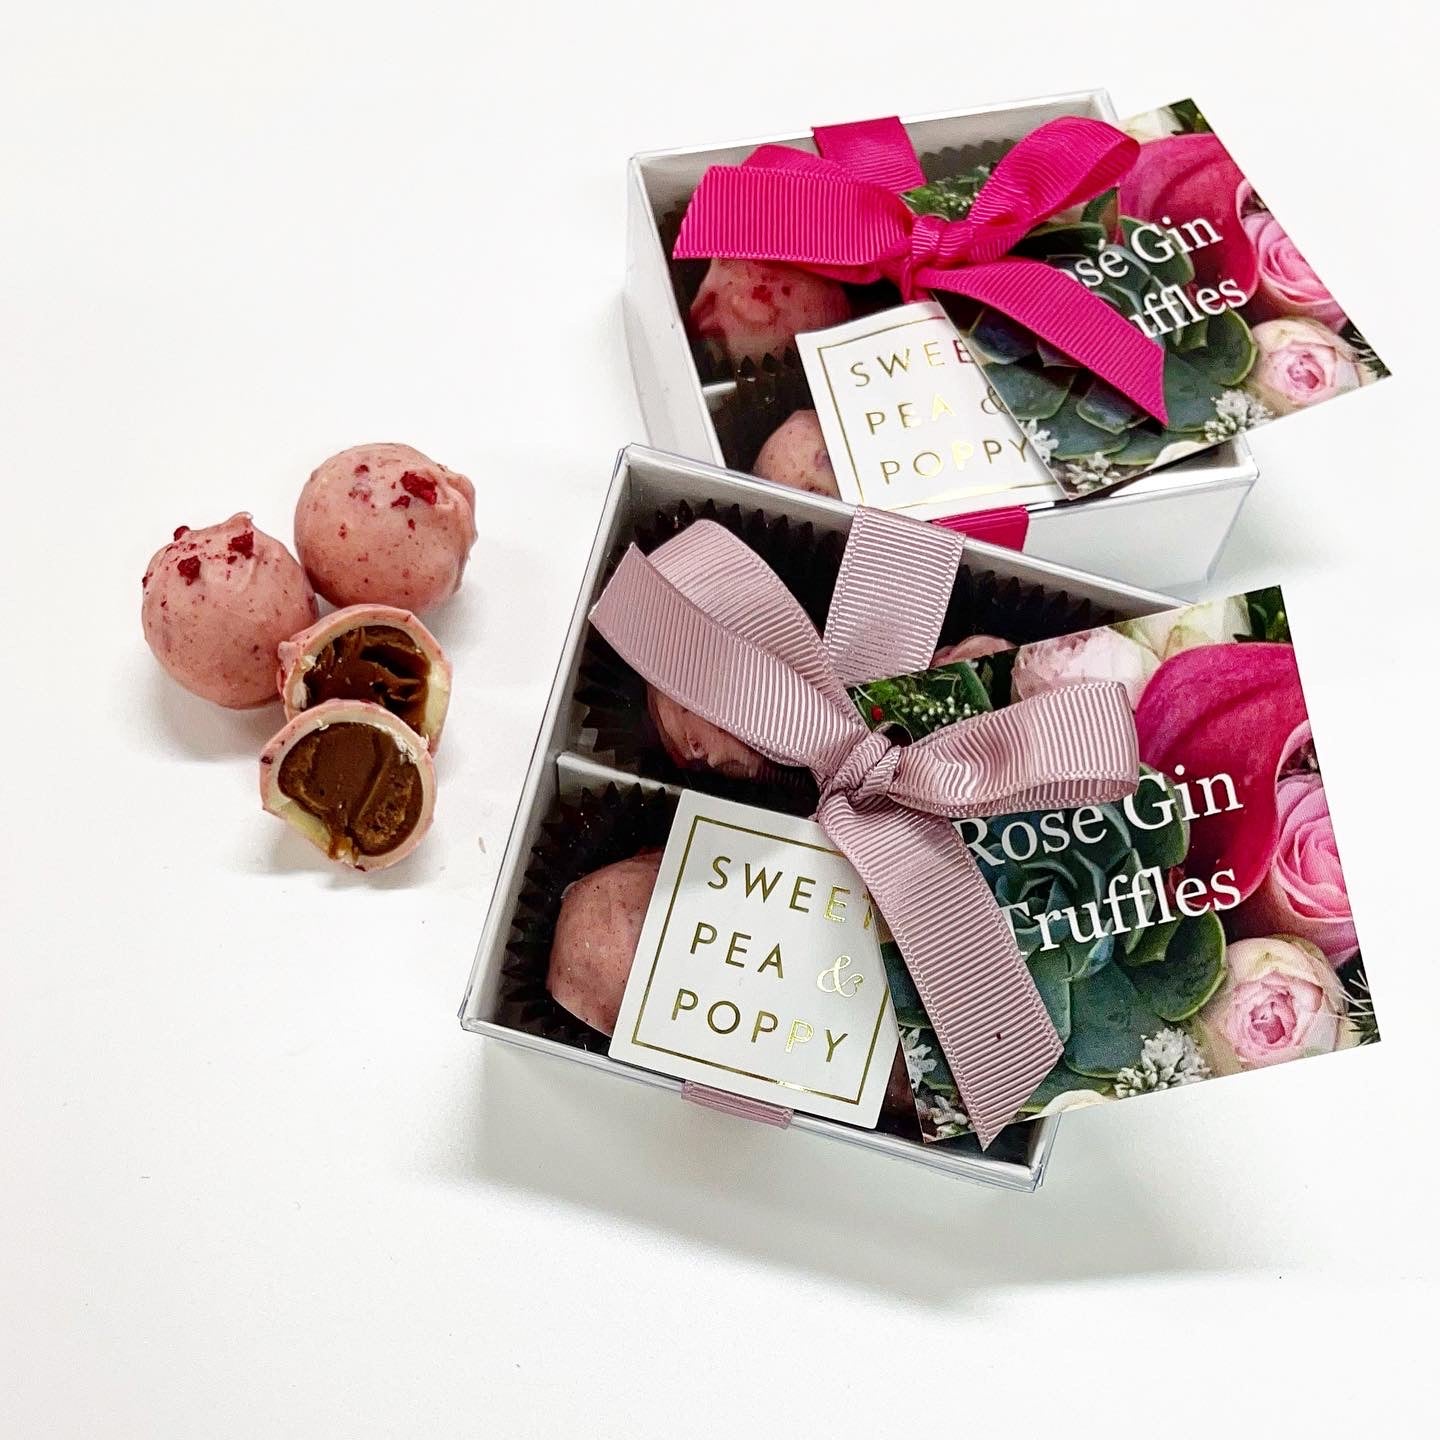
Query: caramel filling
[[373, 662], [358, 783]]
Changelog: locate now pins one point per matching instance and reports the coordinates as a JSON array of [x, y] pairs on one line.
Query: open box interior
[[583, 775], [695, 412]]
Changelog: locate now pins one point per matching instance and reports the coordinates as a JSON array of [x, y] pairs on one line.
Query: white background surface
[[254, 1180]]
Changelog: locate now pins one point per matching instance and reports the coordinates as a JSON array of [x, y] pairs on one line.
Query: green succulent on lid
[[1112, 971], [1111, 974], [1074, 420]]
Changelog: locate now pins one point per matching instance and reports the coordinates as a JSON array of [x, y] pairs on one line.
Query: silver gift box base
[[1165, 531], [563, 764]]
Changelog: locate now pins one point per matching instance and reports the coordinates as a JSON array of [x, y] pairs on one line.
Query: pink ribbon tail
[[706, 621], [1074, 321], [841, 214]]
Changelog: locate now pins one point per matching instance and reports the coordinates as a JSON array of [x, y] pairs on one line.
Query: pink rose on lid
[[1236, 710], [1287, 284], [1301, 363], [1076, 659], [1303, 892], [1179, 179], [1280, 1000]]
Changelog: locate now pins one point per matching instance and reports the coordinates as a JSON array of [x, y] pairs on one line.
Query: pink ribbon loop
[[840, 214], [707, 622]]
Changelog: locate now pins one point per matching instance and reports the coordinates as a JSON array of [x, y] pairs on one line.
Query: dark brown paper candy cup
[[957, 159], [614, 696], [578, 836], [1021, 611], [764, 397], [807, 561]]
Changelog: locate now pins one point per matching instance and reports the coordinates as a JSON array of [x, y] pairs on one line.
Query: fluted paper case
[[587, 744], [1166, 529]]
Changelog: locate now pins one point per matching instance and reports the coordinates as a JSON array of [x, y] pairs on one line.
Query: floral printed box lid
[[1186, 249], [1201, 927]]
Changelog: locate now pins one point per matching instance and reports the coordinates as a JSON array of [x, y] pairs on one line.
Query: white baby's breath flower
[[919, 1061], [1089, 473], [1042, 442], [939, 1116], [1167, 1058], [1231, 405], [1235, 410]]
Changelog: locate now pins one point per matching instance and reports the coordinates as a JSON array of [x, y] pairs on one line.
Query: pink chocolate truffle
[[795, 455], [216, 606], [596, 936], [751, 308], [693, 743], [973, 647], [385, 525]]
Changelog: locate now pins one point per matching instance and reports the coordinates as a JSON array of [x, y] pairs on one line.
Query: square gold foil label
[[910, 421], [759, 969]]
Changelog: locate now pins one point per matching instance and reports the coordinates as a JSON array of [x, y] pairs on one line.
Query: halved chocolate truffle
[[369, 652], [353, 779]]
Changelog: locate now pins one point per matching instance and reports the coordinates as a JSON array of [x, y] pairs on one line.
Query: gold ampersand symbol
[[838, 981]]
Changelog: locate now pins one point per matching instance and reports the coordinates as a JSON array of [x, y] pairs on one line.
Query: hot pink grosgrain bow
[[840, 214], [707, 622]]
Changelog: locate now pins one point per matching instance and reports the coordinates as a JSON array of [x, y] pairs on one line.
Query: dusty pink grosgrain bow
[[841, 214], [707, 622]]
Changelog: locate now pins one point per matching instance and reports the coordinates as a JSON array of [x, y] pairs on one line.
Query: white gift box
[[565, 763], [1163, 531]]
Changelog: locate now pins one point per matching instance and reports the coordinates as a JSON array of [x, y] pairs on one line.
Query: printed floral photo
[[1187, 251], [1199, 928]]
